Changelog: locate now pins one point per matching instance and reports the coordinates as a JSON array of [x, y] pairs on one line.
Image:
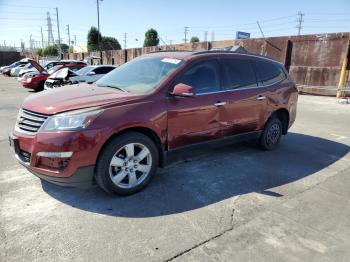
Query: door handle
[[260, 97], [220, 103]]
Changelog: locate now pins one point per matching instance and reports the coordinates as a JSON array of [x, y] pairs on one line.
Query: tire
[[122, 172], [40, 87], [271, 134]]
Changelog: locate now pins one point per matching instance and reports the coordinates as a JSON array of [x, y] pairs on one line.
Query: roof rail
[[220, 52], [164, 51]]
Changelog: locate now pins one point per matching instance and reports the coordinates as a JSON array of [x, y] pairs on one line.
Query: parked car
[[88, 74], [118, 130], [36, 80], [51, 64], [6, 70], [16, 70]]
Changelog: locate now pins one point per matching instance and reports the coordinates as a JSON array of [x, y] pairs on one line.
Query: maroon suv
[[120, 129]]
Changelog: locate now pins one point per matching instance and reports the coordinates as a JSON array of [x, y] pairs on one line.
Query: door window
[[203, 77], [238, 73], [103, 70], [270, 73]]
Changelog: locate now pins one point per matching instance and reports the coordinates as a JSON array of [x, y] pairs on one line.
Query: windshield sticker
[[171, 60]]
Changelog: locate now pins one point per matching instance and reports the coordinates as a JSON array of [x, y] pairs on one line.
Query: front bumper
[[77, 170], [82, 178]]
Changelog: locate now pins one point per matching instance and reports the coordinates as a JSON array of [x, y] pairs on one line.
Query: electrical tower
[[50, 39], [186, 31], [300, 21], [205, 36]]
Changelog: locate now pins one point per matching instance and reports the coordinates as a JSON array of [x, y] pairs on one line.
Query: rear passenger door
[[271, 82], [245, 100]]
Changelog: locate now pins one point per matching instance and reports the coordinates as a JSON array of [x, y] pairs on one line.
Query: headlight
[[73, 120]]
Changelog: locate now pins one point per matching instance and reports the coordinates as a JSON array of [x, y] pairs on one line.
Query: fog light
[[55, 154]]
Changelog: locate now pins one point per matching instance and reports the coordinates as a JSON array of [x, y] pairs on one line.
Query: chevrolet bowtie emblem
[[20, 120]]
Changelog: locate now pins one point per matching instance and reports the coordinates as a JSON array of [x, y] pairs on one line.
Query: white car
[[15, 71]]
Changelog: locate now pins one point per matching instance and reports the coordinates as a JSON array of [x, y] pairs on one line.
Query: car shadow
[[199, 178]]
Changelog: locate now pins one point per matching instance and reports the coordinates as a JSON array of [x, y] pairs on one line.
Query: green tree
[[64, 48], [92, 39], [39, 52], [151, 38], [110, 43], [50, 50], [194, 39]]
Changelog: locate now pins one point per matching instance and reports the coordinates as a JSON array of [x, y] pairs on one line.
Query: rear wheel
[[271, 134], [127, 164]]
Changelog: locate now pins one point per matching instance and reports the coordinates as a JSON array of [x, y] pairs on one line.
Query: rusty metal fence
[[312, 60]]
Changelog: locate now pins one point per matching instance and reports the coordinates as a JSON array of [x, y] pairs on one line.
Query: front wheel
[[127, 164], [271, 134]]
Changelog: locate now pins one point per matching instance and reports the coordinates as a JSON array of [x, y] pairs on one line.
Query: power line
[[26, 6]]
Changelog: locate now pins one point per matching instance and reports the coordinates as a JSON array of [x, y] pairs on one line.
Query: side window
[[269, 73], [239, 73], [103, 70], [74, 68], [203, 77]]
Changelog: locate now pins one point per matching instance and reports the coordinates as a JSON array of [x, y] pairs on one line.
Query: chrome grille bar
[[30, 122]]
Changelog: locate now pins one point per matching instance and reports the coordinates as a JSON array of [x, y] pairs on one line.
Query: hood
[[36, 65], [75, 97]]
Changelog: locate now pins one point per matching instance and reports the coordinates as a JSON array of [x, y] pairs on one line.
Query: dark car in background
[[66, 76], [118, 130]]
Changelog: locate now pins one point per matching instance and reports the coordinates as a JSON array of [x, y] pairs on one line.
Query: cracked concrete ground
[[232, 203]]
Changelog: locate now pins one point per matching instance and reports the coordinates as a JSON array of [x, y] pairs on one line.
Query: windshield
[[54, 69], [84, 70], [141, 75]]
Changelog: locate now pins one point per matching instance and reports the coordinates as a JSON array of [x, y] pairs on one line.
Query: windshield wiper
[[116, 87]]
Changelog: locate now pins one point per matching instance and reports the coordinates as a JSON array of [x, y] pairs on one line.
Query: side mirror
[[91, 73], [183, 90]]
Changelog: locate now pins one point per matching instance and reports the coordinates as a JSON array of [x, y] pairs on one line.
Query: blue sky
[[21, 18]]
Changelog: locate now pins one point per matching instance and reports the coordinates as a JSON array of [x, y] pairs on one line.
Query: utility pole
[[98, 27], [125, 36], [300, 21], [58, 33], [68, 37], [186, 31], [75, 40], [30, 42], [212, 36], [42, 37], [261, 31], [205, 36]]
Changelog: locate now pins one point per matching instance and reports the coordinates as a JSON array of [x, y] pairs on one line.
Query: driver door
[[196, 119]]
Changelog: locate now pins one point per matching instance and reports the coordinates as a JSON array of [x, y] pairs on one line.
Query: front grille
[[29, 121]]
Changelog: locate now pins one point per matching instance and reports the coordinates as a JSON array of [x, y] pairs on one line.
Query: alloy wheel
[[130, 165]]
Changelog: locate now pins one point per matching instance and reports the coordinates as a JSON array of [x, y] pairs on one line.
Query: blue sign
[[242, 35]]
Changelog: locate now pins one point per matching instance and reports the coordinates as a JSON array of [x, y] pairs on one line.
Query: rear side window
[[203, 77], [103, 70], [238, 73], [269, 73]]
